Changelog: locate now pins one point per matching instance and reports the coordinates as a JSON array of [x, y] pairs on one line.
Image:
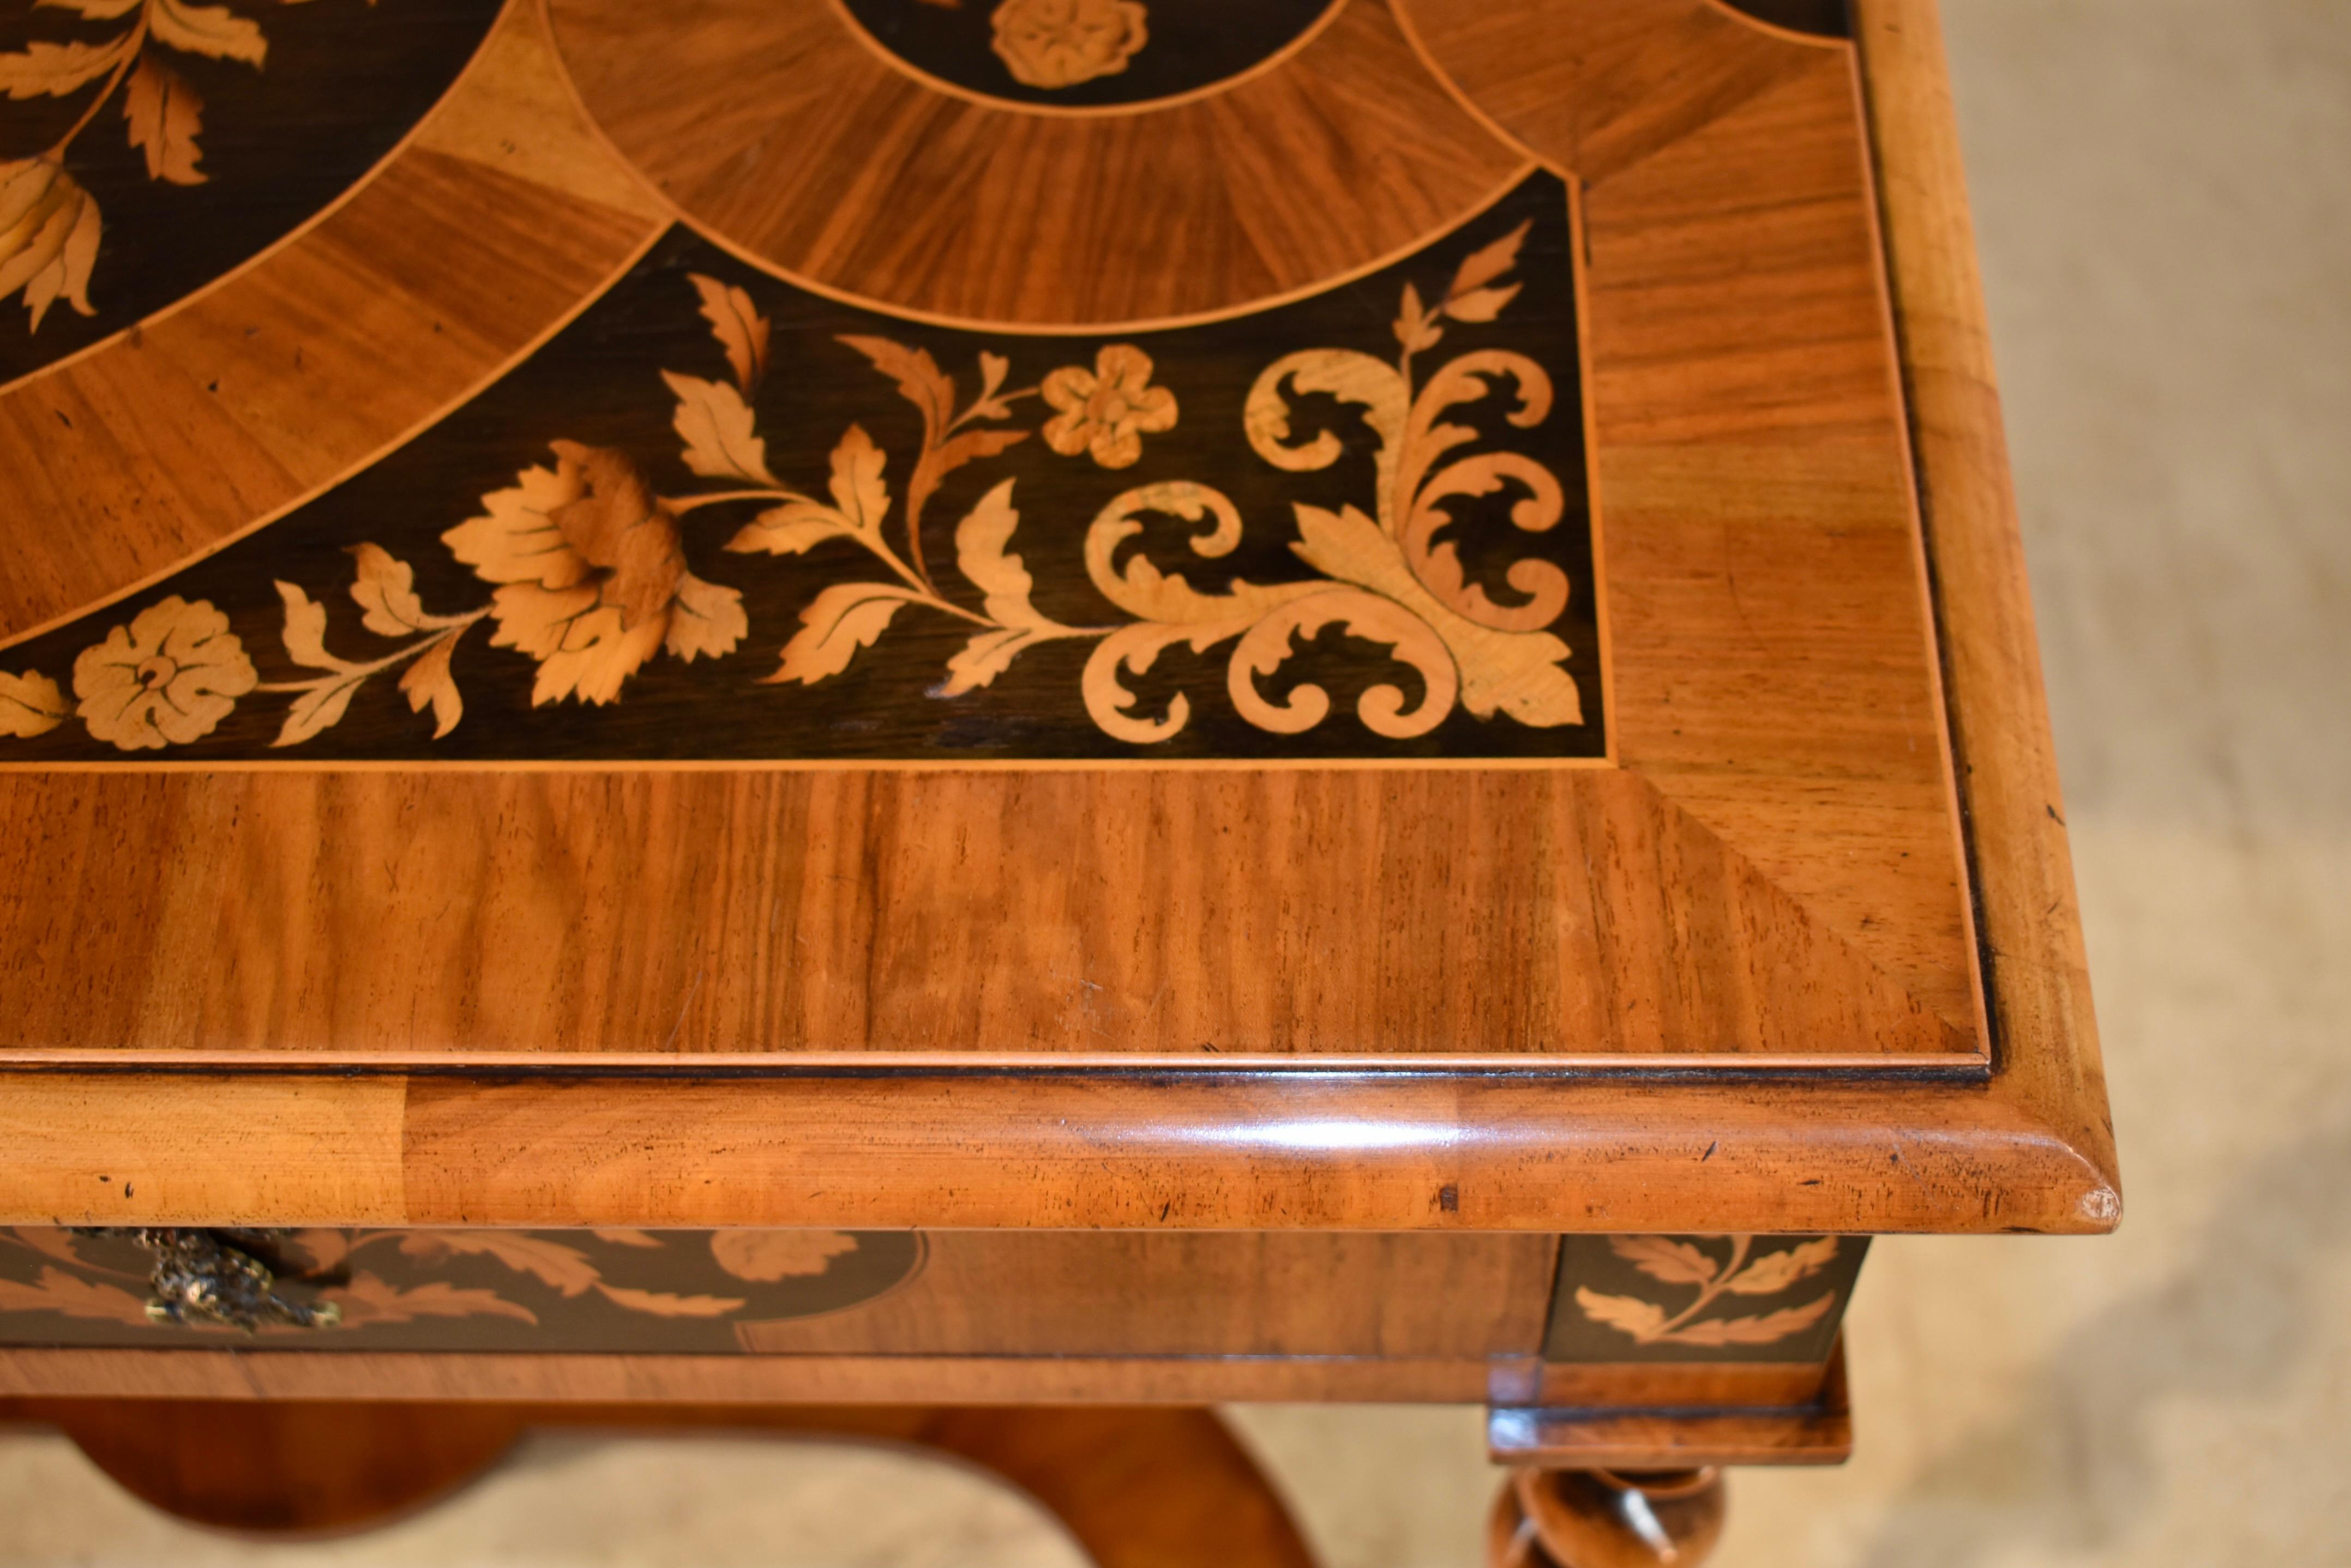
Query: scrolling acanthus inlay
[[589, 574]]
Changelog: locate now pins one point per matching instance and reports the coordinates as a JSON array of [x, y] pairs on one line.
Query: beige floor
[[2164, 188]]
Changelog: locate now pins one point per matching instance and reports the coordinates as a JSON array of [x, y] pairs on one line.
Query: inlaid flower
[[1061, 43], [167, 678], [49, 237], [594, 582], [1108, 409]]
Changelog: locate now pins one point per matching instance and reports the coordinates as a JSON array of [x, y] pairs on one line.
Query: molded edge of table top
[[1318, 1148]]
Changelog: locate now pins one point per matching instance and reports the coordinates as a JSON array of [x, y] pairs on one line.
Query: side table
[[938, 708]]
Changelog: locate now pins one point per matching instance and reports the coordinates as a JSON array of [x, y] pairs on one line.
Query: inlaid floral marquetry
[[1085, 54], [149, 146], [1701, 1298], [610, 1290], [720, 517]]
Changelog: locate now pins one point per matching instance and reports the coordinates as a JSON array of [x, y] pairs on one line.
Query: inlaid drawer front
[[620, 1291], [1647, 1299], [819, 1292]]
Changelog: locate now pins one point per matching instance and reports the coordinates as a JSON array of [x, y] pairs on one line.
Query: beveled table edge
[[1308, 1145]]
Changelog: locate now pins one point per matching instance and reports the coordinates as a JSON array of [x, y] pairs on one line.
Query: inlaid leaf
[[385, 592], [306, 630], [1416, 327], [30, 704], [566, 1269], [843, 620], [771, 1255], [791, 529], [720, 432], [980, 541], [993, 369], [857, 485], [1487, 262], [586, 649], [212, 31], [1769, 1329], [661, 1304], [515, 540], [987, 655], [319, 708], [428, 681], [621, 1237], [705, 618], [369, 1299], [739, 327], [920, 381], [165, 116], [1775, 1272], [1482, 304], [49, 232], [55, 69], [54, 1290], [1663, 1258], [1645, 1321], [969, 447]]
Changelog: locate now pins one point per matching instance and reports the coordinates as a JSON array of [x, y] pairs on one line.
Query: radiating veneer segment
[[768, 121], [450, 260]]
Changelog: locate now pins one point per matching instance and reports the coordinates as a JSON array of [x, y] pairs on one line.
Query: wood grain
[[903, 913], [772, 125], [861, 999], [1762, 551], [235, 402], [2047, 1035], [1207, 1150], [1815, 1430], [738, 1380], [1413, 1298]]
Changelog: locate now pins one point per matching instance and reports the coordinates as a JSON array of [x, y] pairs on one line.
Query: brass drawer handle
[[202, 1276]]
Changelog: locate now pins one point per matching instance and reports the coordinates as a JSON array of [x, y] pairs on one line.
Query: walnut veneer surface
[[1416, 628]]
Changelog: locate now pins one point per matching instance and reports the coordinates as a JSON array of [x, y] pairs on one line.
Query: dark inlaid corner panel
[[719, 518], [1639, 1299], [147, 147]]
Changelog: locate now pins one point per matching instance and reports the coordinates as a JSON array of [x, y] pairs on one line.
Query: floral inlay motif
[[354, 1292], [1106, 412], [50, 226], [1061, 43], [168, 678], [585, 563], [1676, 1262]]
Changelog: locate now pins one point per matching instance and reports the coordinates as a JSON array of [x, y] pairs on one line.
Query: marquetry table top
[[837, 593]]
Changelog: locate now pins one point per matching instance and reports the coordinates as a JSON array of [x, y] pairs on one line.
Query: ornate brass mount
[[216, 1276]]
